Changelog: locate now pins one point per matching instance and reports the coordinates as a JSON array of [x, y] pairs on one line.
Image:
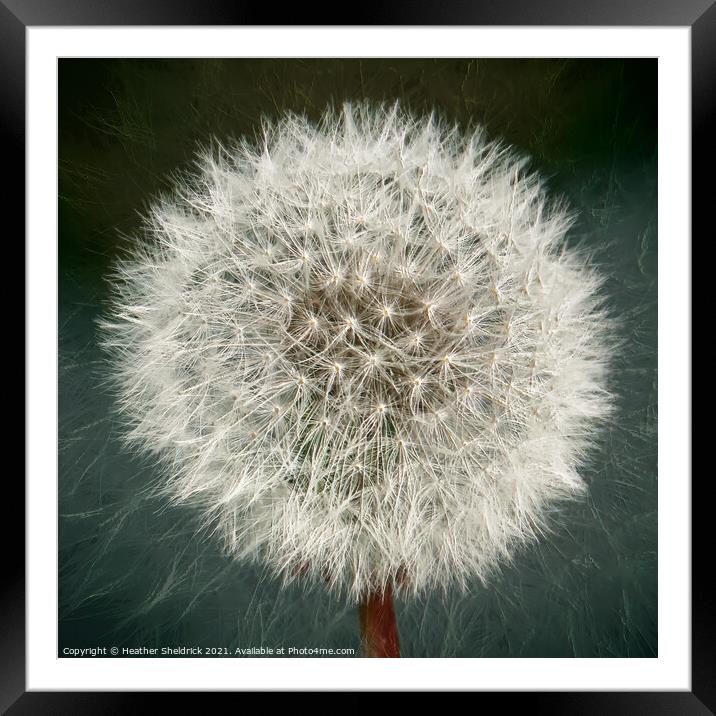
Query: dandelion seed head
[[364, 350]]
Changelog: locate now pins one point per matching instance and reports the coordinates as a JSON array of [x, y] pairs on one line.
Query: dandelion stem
[[379, 630]]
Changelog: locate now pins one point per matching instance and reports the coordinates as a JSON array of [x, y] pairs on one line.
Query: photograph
[[357, 357]]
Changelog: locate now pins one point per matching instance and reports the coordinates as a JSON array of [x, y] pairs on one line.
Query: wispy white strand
[[363, 350]]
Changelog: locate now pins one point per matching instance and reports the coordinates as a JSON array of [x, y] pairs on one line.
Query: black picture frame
[[699, 15]]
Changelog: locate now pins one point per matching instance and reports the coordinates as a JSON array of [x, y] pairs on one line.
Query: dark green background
[[135, 573]]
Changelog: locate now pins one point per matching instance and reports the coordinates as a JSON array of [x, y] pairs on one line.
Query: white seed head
[[362, 350]]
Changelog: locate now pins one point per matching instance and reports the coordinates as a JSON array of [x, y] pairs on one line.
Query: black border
[[699, 15]]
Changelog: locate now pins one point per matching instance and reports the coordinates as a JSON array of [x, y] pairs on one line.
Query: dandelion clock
[[361, 349]]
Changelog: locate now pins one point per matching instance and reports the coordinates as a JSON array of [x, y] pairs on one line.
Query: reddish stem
[[379, 630]]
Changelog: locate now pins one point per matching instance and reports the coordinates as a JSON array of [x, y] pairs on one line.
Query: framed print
[[350, 342]]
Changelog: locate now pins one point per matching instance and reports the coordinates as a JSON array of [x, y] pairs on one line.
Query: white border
[[671, 670]]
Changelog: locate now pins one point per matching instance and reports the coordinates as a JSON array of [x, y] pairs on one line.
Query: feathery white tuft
[[363, 350]]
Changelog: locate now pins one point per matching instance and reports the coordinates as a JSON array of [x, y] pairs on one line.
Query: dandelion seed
[[417, 354]]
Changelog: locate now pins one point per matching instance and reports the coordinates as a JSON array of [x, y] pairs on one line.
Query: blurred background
[[133, 572]]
